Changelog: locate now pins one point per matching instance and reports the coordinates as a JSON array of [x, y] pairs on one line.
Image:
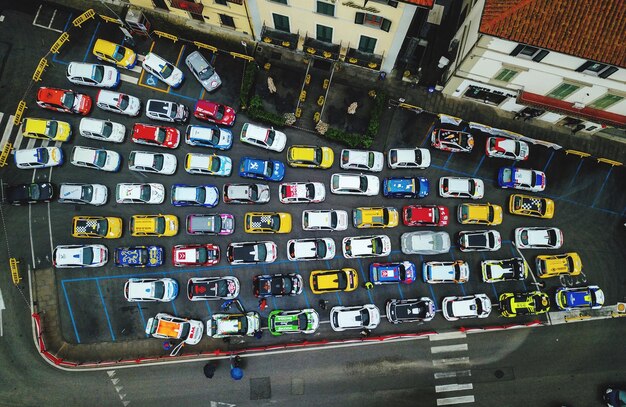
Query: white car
[[246, 193], [362, 160], [522, 178], [425, 242], [480, 240], [470, 306], [538, 238], [435, 272], [70, 256], [166, 111], [151, 193], [208, 164], [301, 192], [163, 70], [398, 158], [96, 158], [326, 219], [311, 249], [229, 325], [91, 194], [459, 187], [203, 71], [500, 147], [102, 76], [354, 184], [118, 102], [158, 163], [210, 135], [150, 289], [366, 246], [195, 195], [102, 130], [165, 326], [40, 157], [263, 137], [357, 317]]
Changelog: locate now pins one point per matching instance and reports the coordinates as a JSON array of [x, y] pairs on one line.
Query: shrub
[[349, 139], [247, 83], [256, 111], [377, 110]]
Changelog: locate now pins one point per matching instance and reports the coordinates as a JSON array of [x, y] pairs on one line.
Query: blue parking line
[[445, 166], [143, 320], [183, 96], [602, 188], [369, 292], [106, 313], [494, 290], [69, 308], [93, 37], [54, 56], [479, 164], [208, 308], [576, 173], [306, 298], [549, 159]]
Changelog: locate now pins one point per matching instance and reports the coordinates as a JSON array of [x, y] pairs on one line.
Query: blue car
[[195, 195], [390, 273], [579, 297], [139, 256], [268, 170], [406, 187]]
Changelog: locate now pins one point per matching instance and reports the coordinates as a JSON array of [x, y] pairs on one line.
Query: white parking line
[[18, 139], [450, 361], [449, 348], [31, 143], [449, 375], [447, 336], [455, 400], [453, 387], [129, 79], [136, 68], [7, 130]]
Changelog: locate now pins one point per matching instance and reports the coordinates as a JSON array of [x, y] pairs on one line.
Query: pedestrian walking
[[365, 333], [209, 370], [226, 305], [262, 304]]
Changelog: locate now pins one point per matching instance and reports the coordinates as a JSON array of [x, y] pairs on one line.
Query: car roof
[[141, 289]]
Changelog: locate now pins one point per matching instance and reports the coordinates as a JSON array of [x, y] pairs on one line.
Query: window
[[605, 101], [280, 1], [222, 2], [367, 44], [281, 22], [528, 52], [563, 90], [505, 75], [373, 20], [324, 33], [326, 8], [228, 21], [596, 68]]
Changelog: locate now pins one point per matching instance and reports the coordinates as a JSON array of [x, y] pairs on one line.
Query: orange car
[[63, 100]]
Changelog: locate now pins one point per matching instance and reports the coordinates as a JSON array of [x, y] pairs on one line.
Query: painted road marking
[[1, 308], [447, 336], [129, 79], [455, 400], [453, 387], [450, 375], [449, 348], [450, 361], [7, 130]]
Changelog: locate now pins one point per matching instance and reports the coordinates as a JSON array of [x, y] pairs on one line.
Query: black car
[[29, 193], [614, 397], [277, 285], [411, 310], [251, 252]]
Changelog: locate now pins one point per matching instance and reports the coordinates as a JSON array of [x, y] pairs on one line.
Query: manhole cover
[[499, 374], [260, 388]]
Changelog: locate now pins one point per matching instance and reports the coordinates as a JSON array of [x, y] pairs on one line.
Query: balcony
[[364, 59], [321, 49], [279, 38]]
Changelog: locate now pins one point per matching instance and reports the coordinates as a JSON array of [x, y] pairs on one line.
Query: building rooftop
[[594, 30]]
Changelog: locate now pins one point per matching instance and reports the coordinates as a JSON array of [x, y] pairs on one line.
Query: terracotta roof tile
[[420, 3], [590, 29]]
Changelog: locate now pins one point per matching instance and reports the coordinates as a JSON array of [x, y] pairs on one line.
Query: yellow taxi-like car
[[267, 222], [310, 157], [325, 281], [53, 130], [375, 217], [97, 227], [533, 206], [550, 265], [154, 225], [479, 214], [114, 53]]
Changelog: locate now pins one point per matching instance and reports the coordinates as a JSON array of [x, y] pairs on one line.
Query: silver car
[[425, 242], [92, 194], [203, 71]]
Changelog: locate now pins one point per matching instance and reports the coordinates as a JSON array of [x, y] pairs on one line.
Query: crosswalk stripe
[[451, 361], [449, 348], [7, 129], [45, 143], [455, 400], [18, 139], [31, 143], [128, 78], [136, 69], [453, 387], [447, 336], [449, 375]]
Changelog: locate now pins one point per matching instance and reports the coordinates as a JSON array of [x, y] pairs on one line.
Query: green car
[[303, 321]]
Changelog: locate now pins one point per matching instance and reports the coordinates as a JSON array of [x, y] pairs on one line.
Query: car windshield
[[159, 135], [68, 99], [377, 246], [365, 317], [253, 192], [118, 53], [393, 156], [107, 129], [269, 139], [98, 73], [215, 136], [160, 225], [200, 195], [123, 102], [302, 321], [201, 255], [570, 263], [310, 191], [275, 222], [317, 159], [102, 227], [87, 255], [479, 307], [524, 237], [437, 242], [51, 128], [261, 251], [491, 214], [342, 281], [435, 215], [215, 164], [159, 289], [267, 171], [167, 70], [363, 184], [335, 180], [333, 219], [370, 159], [100, 158], [471, 187], [320, 246], [243, 322], [219, 112], [34, 191], [184, 329], [86, 193], [206, 73], [144, 193], [385, 216], [158, 160], [402, 271]]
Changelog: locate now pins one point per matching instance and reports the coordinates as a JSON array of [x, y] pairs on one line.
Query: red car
[[158, 136], [425, 215], [195, 255], [63, 100], [214, 112]]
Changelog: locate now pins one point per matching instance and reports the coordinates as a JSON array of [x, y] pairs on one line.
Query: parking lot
[[590, 202]]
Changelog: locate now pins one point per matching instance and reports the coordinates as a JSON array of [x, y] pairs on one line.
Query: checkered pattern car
[[267, 222]]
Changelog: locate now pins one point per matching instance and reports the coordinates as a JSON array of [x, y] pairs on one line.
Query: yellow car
[[154, 225], [97, 227], [533, 206], [310, 157], [550, 265], [479, 214], [53, 130], [375, 218], [114, 53], [267, 222], [326, 281]]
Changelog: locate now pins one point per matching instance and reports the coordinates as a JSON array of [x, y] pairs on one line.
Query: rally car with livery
[[503, 270], [451, 134], [229, 325], [533, 206], [277, 285], [410, 310], [591, 297], [267, 170], [212, 288], [425, 215], [165, 326], [301, 192], [267, 222], [533, 303], [522, 178], [406, 187], [391, 273], [302, 321], [97, 227], [363, 218], [139, 256], [194, 255]]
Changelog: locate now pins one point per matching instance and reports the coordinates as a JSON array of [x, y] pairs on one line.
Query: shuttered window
[[563, 90]]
